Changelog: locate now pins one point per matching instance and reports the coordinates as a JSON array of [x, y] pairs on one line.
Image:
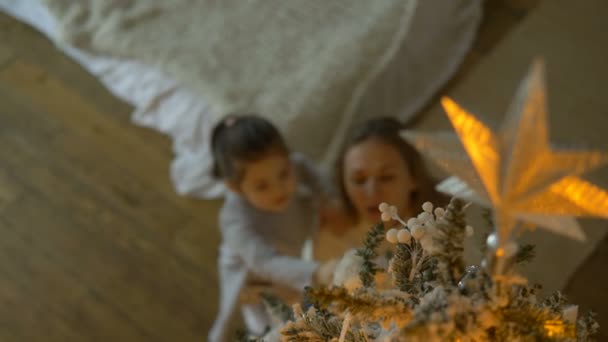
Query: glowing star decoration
[[514, 170]]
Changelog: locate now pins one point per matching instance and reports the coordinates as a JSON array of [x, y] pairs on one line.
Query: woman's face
[[375, 172]]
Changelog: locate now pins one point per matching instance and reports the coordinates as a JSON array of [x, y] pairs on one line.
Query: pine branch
[[529, 323], [587, 327], [556, 302], [449, 238], [412, 270], [435, 302], [276, 308], [311, 327], [524, 295], [368, 253], [365, 305], [525, 254], [319, 327], [475, 282], [526, 319]]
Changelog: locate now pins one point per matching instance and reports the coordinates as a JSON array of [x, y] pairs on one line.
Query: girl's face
[[375, 172], [269, 183]]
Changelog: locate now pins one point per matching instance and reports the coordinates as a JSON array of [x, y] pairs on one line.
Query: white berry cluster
[[420, 228]]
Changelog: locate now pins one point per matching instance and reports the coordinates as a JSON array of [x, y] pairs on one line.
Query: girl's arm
[[263, 261]]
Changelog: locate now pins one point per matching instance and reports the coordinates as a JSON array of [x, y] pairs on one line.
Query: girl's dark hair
[[239, 139], [388, 130]]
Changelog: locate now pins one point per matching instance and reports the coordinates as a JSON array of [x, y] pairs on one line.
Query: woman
[[376, 165]]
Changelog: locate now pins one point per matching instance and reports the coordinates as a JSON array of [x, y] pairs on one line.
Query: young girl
[[270, 212]]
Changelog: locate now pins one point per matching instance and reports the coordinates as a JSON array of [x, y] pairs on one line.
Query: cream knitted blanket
[[303, 64]]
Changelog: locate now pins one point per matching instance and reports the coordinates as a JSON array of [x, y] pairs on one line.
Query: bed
[[313, 68]]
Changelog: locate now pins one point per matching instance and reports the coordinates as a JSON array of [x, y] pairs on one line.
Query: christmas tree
[[432, 296]]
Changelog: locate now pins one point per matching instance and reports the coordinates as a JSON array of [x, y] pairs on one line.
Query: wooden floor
[[94, 243]]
